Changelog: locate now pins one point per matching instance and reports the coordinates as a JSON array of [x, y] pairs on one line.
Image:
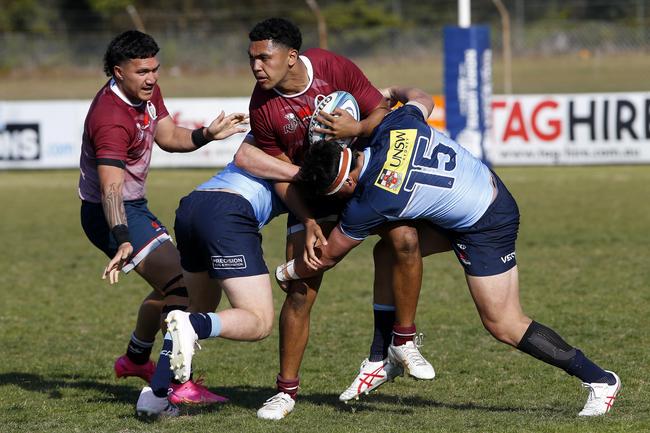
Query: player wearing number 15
[[411, 171]]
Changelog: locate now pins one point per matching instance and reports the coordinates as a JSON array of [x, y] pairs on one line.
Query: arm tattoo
[[113, 205]]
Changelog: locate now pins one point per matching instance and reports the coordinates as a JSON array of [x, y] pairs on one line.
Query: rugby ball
[[327, 104]]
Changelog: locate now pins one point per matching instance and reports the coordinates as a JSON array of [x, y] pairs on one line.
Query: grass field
[[558, 74], [583, 256]]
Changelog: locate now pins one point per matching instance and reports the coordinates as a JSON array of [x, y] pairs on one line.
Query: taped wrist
[[121, 234], [286, 272], [198, 138], [546, 345]]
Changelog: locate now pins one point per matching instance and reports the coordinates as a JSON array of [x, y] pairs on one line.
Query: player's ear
[[293, 56], [118, 73]]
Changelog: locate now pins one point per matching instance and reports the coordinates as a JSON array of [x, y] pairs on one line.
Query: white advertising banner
[[567, 129], [606, 128], [47, 134]]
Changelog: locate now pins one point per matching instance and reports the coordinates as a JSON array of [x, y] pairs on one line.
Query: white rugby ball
[[327, 104]]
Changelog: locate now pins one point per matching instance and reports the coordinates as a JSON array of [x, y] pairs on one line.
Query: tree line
[[46, 17]]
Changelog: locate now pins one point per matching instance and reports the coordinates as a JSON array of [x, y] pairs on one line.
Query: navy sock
[[384, 319], [163, 375], [545, 344], [202, 325], [587, 371], [138, 351]]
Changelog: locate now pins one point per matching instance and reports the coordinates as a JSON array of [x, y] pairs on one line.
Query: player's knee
[[266, 326], [263, 324], [406, 243], [153, 305], [502, 330]]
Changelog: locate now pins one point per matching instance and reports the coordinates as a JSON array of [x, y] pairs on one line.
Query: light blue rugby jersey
[[412, 171], [258, 192]]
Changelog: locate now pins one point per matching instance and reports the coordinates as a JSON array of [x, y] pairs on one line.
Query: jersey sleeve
[[159, 102], [358, 219], [110, 140], [261, 126], [356, 83]]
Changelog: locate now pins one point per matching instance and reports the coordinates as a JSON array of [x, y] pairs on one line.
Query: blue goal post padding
[[468, 85]]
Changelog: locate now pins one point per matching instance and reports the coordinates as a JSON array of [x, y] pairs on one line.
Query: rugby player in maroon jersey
[[282, 103], [125, 118]]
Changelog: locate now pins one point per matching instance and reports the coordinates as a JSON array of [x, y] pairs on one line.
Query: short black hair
[[128, 45], [320, 166], [279, 31]]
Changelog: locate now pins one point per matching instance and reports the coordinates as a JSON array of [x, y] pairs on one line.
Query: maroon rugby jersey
[[116, 129], [280, 122]]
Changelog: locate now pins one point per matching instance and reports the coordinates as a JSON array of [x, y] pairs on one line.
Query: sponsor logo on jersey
[[151, 109], [398, 159], [508, 257], [229, 262], [149, 116], [292, 125]]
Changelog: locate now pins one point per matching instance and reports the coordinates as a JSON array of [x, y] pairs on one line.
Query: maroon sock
[[289, 386], [402, 334]]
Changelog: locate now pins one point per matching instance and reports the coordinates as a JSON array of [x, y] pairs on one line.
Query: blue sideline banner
[[468, 86]]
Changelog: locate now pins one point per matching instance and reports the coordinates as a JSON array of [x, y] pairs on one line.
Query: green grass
[[554, 74], [583, 256]]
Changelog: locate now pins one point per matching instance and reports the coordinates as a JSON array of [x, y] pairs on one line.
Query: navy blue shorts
[[146, 232], [217, 231], [488, 247]]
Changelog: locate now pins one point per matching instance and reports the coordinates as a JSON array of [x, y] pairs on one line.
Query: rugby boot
[[124, 367]]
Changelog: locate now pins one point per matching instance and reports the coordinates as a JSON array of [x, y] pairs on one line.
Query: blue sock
[[384, 320], [587, 371], [206, 325], [163, 375]]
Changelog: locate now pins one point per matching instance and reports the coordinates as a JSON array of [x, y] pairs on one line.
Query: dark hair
[[320, 166], [128, 45], [279, 31]]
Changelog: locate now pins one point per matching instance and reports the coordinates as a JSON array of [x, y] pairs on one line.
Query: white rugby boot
[[276, 407], [408, 356], [601, 397], [184, 340], [150, 406], [371, 376]]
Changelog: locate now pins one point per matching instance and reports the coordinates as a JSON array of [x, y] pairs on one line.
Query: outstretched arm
[[173, 138]]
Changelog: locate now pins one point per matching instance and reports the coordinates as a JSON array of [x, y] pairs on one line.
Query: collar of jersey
[[310, 74], [367, 153], [122, 96]]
